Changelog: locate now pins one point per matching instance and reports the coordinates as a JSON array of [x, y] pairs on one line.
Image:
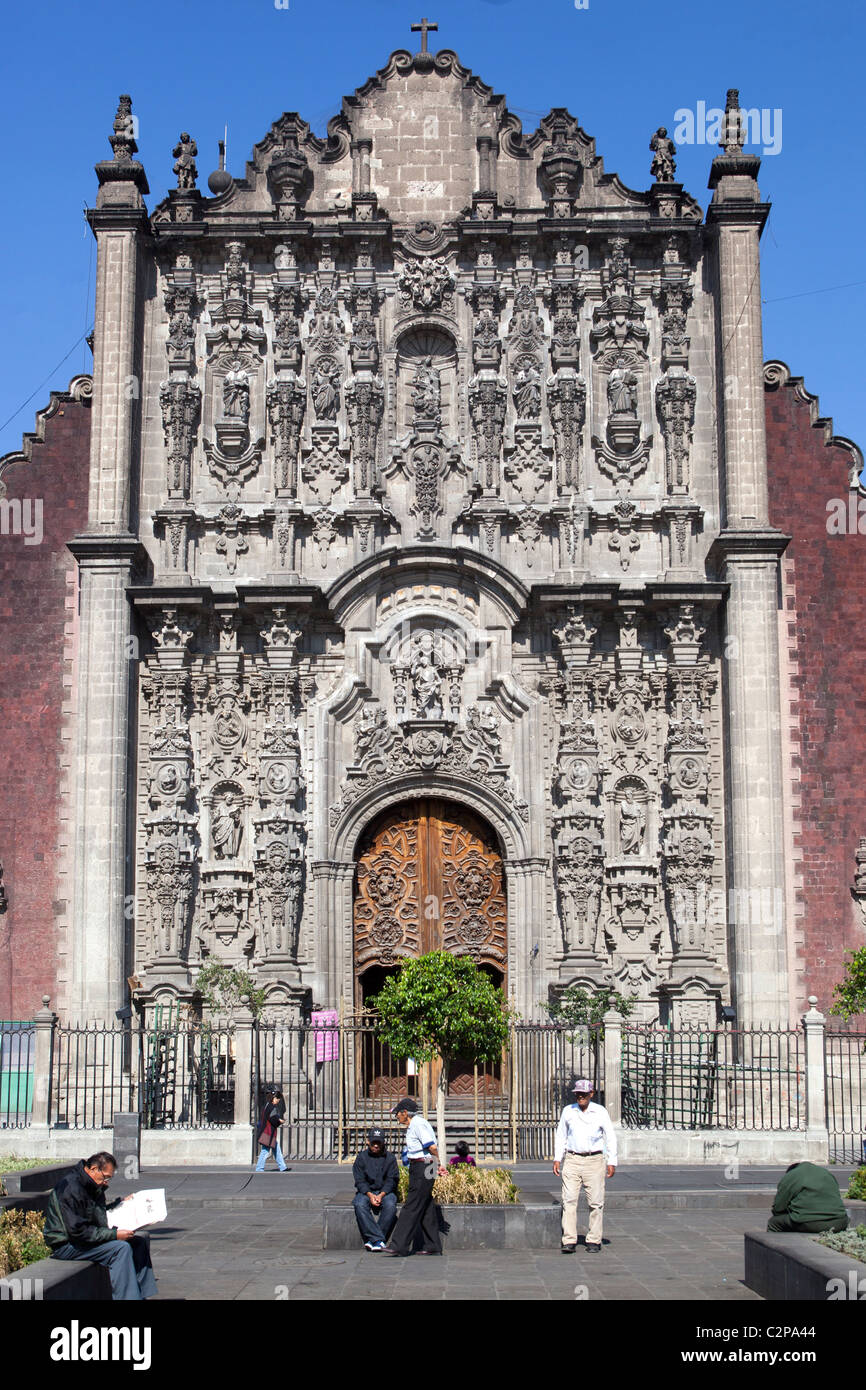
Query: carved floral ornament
[[426, 284]]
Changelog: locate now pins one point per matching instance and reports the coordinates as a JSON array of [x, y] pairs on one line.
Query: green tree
[[222, 988], [850, 995], [442, 1006], [577, 1007]]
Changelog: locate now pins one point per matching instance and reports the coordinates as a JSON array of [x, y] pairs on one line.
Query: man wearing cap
[[583, 1134], [375, 1201], [419, 1210]]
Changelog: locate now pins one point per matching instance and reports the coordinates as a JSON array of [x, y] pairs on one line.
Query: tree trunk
[[440, 1110]]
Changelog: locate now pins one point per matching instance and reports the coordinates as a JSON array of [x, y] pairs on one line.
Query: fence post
[[613, 1064], [243, 1037], [813, 1030], [43, 1057]]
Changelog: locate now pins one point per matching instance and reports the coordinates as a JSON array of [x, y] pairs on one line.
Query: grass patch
[[467, 1186], [12, 1164], [851, 1242], [21, 1241]]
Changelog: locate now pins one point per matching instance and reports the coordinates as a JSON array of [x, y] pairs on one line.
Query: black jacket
[[375, 1172], [77, 1212]]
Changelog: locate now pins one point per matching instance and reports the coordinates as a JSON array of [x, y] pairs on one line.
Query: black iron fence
[[845, 1093], [17, 1049], [339, 1079], [92, 1075], [695, 1077], [186, 1075]]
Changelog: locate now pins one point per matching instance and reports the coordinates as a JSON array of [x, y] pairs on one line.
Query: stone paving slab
[[668, 1260]]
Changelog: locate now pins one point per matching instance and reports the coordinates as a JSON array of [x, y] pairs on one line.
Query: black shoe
[[593, 1249], [397, 1254], [428, 1252], [567, 1249]]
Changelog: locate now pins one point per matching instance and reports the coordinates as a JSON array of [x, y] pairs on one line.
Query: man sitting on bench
[[76, 1228]]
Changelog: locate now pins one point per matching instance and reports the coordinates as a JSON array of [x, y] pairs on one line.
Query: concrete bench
[[57, 1281], [788, 1265], [515, 1226]]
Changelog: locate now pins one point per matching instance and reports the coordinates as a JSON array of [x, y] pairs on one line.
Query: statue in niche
[[664, 166], [426, 679], [527, 389], [622, 390], [426, 391], [326, 388], [226, 827], [632, 824], [236, 393]]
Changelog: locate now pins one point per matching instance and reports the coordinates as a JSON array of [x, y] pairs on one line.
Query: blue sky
[[622, 67]]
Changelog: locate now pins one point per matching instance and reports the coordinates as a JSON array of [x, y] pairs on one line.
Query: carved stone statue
[[226, 828], [236, 393], [527, 390], [622, 390], [664, 167], [326, 388], [426, 391], [426, 679], [184, 152], [632, 824]]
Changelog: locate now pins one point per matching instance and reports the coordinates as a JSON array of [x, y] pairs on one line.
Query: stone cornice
[[763, 544], [94, 550]]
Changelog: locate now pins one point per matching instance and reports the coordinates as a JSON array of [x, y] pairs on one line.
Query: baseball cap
[[376, 1136], [582, 1087], [407, 1104]]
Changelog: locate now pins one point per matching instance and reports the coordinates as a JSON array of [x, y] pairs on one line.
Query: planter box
[[790, 1266], [515, 1226]]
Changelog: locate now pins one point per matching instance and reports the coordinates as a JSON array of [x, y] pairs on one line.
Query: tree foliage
[[850, 995], [442, 1006], [577, 1007], [222, 988]]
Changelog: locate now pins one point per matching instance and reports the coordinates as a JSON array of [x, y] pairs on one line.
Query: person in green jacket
[[808, 1199]]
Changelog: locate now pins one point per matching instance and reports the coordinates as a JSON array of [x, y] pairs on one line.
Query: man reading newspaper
[[77, 1228]]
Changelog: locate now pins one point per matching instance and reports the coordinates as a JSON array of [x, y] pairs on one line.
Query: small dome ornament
[[220, 181]]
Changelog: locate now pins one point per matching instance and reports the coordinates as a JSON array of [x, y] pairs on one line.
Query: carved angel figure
[[236, 393]]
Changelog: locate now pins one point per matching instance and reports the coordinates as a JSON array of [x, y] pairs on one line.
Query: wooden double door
[[429, 878]]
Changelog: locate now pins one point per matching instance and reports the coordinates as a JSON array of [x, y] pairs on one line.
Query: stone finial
[[117, 174], [185, 169], [125, 125], [733, 134], [664, 165]]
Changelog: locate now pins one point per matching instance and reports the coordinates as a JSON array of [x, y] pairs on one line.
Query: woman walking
[[268, 1133]]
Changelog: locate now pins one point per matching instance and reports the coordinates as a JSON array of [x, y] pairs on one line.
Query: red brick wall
[[37, 582], [808, 467]]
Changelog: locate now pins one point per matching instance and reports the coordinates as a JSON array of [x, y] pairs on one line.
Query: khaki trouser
[[586, 1172]]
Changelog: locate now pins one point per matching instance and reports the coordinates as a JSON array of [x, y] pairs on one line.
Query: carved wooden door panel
[[430, 878]]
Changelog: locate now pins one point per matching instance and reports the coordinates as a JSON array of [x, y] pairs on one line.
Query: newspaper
[[139, 1209]]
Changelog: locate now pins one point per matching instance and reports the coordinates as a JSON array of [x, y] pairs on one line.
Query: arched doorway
[[429, 878]]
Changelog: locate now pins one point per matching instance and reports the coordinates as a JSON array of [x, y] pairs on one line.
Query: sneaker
[[368, 1245], [378, 1247]]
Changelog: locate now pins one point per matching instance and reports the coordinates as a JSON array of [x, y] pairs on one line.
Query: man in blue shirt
[[419, 1210]]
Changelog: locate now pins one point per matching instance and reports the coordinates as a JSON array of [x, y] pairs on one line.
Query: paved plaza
[[671, 1234]]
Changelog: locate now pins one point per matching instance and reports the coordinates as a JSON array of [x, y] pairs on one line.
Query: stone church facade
[[428, 592]]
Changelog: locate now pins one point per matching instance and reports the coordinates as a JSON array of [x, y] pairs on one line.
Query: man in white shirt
[[419, 1210], [583, 1135]]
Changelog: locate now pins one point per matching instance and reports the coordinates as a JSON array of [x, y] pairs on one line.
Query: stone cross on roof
[[423, 29]]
